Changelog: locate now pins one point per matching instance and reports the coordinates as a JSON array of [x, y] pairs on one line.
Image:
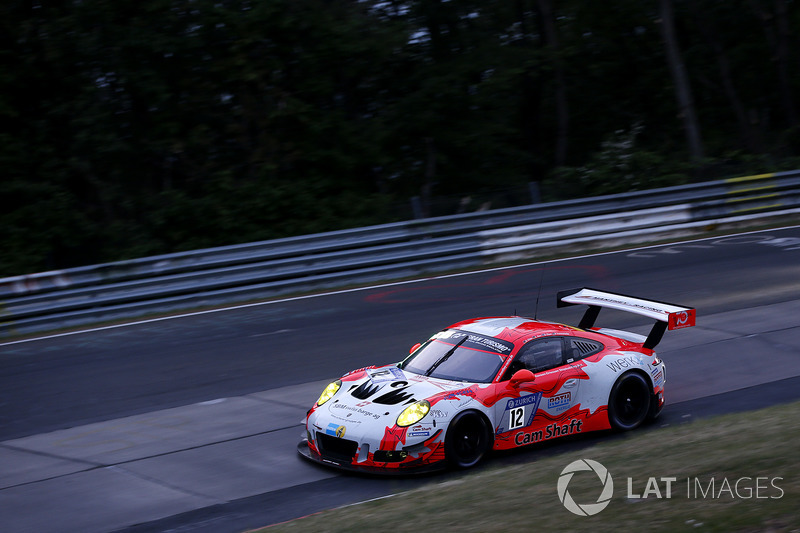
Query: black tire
[[629, 401], [467, 440]]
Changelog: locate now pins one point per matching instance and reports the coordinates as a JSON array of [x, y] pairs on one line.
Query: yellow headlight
[[413, 413], [329, 391]]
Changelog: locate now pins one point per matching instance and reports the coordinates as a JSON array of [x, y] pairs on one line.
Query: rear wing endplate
[[667, 316]]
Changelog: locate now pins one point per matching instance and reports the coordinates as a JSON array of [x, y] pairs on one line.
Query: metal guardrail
[[227, 274]]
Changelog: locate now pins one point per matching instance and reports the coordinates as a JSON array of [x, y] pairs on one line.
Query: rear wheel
[[629, 402], [467, 440]]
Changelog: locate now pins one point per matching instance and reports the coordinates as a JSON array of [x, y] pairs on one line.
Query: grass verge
[[757, 449]]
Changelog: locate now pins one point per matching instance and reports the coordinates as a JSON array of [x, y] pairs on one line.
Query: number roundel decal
[[516, 418]]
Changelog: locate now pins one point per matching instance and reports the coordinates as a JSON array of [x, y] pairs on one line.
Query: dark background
[[135, 128]]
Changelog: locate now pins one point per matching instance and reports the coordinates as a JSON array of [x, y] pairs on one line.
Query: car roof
[[514, 328]]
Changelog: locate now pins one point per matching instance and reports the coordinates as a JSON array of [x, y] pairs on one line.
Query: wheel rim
[[631, 402], [469, 440]]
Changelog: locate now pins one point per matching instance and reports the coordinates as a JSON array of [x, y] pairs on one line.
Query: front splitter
[[304, 450]]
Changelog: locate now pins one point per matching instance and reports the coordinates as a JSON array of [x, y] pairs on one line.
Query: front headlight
[[329, 391], [413, 413]]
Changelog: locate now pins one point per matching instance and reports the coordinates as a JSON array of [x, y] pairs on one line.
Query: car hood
[[385, 392]]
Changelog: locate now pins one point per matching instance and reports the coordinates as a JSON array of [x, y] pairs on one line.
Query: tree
[[131, 129], [711, 36], [680, 80], [776, 31], [548, 24]]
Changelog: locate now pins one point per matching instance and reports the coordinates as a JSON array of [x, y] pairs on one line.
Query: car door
[[538, 410]]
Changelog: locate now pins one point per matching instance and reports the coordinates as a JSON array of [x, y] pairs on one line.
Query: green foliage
[[618, 167], [164, 125]]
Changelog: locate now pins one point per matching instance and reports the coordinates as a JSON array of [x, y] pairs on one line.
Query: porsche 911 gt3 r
[[495, 383]]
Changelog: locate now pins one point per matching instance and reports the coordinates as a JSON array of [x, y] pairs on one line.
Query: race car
[[495, 383]]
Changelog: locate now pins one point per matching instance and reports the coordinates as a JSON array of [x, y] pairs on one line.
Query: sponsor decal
[[545, 334], [658, 377], [682, 319], [522, 438], [496, 346], [381, 375], [549, 432], [625, 302], [550, 372], [477, 342], [623, 363], [517, 408], [346, 418], [523, 400], [335, 430], [420, 431], [358, 410], [559, 402], [559, 430]]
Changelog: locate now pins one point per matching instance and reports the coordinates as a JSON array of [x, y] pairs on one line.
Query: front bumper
[[411, 467]]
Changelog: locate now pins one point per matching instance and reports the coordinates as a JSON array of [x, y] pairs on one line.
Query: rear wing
[[667, 316]]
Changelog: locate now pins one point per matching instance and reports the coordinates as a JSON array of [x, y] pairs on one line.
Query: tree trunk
[[548, 24], [680, 79], [426, 191], [777, 36], [531, 87], [749, 139]]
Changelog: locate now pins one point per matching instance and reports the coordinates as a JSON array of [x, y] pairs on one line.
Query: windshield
[[459, 356]]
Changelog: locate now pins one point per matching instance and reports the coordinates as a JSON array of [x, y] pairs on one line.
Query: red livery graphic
[[495, 383], [681, 319]]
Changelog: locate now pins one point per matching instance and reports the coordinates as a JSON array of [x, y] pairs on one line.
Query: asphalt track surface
[[239, 380]]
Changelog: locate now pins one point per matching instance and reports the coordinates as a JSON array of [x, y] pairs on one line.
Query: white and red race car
[[495, 383]]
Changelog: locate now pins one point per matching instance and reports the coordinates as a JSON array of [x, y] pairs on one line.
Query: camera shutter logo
[[588, 509]]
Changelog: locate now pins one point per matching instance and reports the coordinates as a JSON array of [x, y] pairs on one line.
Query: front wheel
[[629, 402], [467, 440]]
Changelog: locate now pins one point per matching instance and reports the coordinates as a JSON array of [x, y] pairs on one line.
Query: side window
[[540, 354], [578, 348]]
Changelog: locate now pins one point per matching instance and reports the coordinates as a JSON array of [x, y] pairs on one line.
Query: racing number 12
[[516, 418]]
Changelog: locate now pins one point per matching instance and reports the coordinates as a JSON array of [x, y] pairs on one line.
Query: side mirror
[[522, 376], [414, 348]]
